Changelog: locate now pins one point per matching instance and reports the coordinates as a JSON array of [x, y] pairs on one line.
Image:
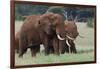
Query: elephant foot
[[75, 52], [46, 54], [22, 51], [33, 55], [57, 53]]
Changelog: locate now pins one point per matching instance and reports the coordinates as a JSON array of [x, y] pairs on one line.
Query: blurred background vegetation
[[85, 15]]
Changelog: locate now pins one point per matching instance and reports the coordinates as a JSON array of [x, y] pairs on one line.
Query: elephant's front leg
[[62, 46], [33, 51], [46, 46], [56, 46]]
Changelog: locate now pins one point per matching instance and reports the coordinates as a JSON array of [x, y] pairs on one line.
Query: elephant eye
[[67, 33], [39, 22]]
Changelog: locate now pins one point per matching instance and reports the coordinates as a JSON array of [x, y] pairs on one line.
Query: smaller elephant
[[67, 45], [71, 34]]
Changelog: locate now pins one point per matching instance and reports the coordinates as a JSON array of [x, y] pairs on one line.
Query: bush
[[90, 22], [19, 17], [58, 10]]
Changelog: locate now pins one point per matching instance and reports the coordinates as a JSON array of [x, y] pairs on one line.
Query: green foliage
[[28, 9], [90, 22], [58, 10], [19, 17], [55, 9]]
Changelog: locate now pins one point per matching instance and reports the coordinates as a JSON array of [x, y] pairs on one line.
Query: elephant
[[40, 29], [68, 44], [71, 34]]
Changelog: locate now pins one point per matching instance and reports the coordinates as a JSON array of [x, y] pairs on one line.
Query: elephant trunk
[[70, 37], [61, 34]]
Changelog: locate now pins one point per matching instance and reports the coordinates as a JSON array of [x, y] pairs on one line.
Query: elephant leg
[[51, 49], [67, 48], [23, 42], [56, 46], [46, 50], [62, 46], [22, 51], [33, 51], [38, 48], [46, 46], [73, 48]]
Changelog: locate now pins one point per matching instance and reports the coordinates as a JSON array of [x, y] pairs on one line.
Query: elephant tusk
[[68, 45], [81, 36], [60, 38], [70, 37]]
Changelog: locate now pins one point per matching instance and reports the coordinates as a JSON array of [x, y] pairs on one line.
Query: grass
[[64, 58], [85, 48]]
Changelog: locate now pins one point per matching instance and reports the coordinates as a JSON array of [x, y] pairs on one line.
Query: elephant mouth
[[70, 37], [59, 37]]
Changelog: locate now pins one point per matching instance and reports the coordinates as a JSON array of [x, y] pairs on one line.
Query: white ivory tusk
[[60, 38], [68, 45], [81, 36], [70, 37]]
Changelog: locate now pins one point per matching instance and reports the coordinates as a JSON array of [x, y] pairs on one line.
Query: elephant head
[[45, 24], [58, 26], [52, 23], [71, 33], [71, 30]]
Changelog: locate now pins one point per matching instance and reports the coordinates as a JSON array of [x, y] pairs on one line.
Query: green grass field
[[85, 48]]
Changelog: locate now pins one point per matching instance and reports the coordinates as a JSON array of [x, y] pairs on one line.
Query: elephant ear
[[56, 19], [45, 17]]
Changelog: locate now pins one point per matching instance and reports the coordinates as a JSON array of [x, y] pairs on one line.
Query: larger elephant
[[39, 29]]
